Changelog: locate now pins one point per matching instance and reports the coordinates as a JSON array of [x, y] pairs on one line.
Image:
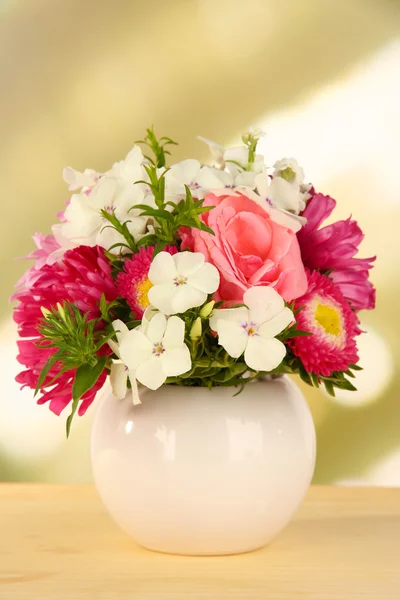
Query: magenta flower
[[327, 315], [133, 282], [333, 248], [80, 277]]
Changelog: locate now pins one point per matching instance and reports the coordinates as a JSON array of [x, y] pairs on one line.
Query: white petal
[[135, 348], [287, 219], [161, 297], [262, 182], [232, 337], [162, 269], [120, 328], [150, 373], [118, 378], [148, 314], [263, 302], [240, 154], [205, 279], [246, 179], [176, 361], [102, 195], [107, 236], [277, 324], [187, 297], [134, 388], [234, 315], [284, 194], [264, 354], [185, 171], [82, 220], [188, 262], [156, 328], [175, 332], [210, 178]]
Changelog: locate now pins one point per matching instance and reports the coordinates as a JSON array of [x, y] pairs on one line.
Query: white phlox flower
[[119, 371], [84, 223], [181, 281], [77, 180], [273, 195], [252, 330], [290, 170], [198, 178], [156, 352]]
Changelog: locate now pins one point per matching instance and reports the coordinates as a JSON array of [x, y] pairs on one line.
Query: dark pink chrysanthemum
[[80, 277], [328, 316], [133, 283], [333, 248]]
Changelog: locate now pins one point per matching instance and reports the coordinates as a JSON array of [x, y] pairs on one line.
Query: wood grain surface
[[58, 543]]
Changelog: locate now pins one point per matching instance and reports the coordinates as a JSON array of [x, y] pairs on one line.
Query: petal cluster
[[327, 315], [181, 281], [155, 351], [251, 329], [333, 248], [81, 276]]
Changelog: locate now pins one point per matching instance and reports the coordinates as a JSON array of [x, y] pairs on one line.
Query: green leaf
[[45, 371], [205, 227], [85, 378], [299, 333], [329, 387]]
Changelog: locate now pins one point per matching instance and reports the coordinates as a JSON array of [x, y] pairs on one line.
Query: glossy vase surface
[[204, 472]]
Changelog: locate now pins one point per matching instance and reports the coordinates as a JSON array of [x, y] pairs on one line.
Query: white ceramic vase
[[203, 472]]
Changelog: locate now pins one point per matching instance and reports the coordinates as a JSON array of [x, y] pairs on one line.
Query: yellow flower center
[[329, 318], [142, 292]]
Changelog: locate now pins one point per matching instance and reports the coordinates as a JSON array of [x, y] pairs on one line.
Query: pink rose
[[248, 248]]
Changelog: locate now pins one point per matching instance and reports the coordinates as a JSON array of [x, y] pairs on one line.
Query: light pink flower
[[333, 248], [47, 252], [81, 276], [248, 248], [327, 315]]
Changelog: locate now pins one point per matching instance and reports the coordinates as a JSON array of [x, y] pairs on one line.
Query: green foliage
[[157, 147], [169, 217], [212, 365], [76, 341], [85, 378]]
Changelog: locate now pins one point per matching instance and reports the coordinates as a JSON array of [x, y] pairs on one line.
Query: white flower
[[77, 180], [280, 199], [156, 353], [119, 371], [199, 179], [85, 223], [289, 169], [252, 330], [181, 281], [130, 169]]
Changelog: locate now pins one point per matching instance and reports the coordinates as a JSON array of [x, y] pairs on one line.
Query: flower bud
[[195, 332], [45, 311], [61, 311], [207, 309]]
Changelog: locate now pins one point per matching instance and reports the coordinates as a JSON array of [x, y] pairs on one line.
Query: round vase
[[204, 472]]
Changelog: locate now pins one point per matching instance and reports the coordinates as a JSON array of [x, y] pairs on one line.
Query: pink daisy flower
[[328, 316], [133, 283], [81, 277], [333, 248]]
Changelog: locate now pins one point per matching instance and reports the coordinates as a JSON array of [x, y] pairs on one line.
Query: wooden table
[[58, 543]]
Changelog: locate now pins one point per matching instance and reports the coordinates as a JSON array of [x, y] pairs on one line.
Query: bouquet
[[190, 275]]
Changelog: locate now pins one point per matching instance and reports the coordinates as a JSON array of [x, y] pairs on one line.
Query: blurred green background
[[80, 81]]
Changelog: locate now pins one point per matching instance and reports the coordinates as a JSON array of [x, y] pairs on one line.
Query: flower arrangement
[[191, 275]]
